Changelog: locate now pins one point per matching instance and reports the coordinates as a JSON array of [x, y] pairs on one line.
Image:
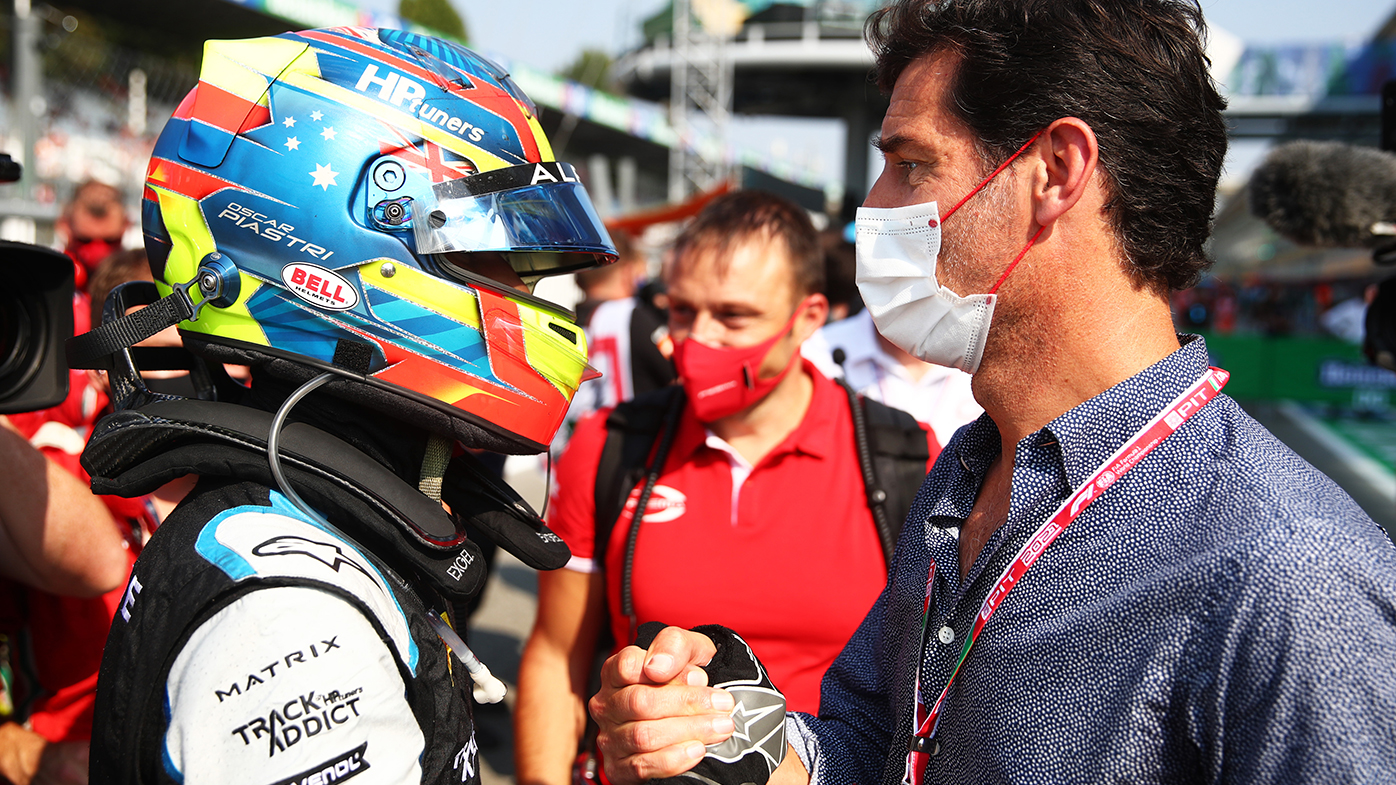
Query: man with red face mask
[[760, 430], [91, 227]]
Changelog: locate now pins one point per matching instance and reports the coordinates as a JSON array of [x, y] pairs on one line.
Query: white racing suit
[[255, 646]]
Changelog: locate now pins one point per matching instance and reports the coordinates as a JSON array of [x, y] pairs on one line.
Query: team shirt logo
[[336, 769], [665, 504], [326, 553]]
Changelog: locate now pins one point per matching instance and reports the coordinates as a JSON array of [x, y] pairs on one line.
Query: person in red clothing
[[57, 628], [761, 486], [91, 227]]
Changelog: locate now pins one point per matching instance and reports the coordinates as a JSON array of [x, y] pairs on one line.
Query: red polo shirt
[[784, 552]]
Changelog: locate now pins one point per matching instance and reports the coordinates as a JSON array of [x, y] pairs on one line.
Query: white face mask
[[897, 252]]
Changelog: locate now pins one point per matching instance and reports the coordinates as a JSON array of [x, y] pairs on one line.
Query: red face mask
[[721, 382], [89, 252]]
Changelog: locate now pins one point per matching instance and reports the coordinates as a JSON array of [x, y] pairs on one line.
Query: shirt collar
[[1091, 432], [1082, 437], [955, 478]]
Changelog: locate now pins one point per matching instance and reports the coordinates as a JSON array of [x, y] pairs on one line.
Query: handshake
[[661, 720]]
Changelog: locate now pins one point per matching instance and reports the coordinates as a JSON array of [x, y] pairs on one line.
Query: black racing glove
[[757, 746]]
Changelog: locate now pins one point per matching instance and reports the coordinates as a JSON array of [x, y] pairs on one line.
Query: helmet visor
[[538, 215]]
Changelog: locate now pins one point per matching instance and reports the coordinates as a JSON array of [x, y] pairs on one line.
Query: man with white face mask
[[754, 473], [1115, 575]]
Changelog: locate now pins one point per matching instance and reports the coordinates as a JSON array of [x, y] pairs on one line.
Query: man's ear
[[813, 314], [1069, 154]]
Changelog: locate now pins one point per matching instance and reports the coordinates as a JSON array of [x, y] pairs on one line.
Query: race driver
[[359, 216]]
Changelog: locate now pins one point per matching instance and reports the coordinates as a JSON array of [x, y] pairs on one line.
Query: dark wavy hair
[[1134, 70]]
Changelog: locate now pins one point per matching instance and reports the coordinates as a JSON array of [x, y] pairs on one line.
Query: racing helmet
[[378, 204]]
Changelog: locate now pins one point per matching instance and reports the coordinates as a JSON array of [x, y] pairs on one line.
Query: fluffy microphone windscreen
[[1325, 193]]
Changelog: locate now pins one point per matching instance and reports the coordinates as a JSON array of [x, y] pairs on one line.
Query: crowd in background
[[1273, 308]]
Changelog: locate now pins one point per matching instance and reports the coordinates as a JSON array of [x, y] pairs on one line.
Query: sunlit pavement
[[498, 630], [1375, 437]]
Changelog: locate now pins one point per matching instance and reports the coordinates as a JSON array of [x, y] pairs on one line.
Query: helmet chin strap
[[487, 689], [218, 283], [434, 462]]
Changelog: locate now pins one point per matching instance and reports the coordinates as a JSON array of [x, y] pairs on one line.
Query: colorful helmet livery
[[344, 183]]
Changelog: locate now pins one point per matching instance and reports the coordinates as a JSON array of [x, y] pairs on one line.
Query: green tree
[[591, 68], [439, 15]]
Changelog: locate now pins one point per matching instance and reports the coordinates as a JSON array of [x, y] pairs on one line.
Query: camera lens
[[21, 342], [36, 315]]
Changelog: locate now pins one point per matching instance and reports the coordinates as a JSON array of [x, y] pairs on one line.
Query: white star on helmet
[[324, 176]]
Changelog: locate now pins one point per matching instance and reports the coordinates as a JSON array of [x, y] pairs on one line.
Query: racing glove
[[757, 746]]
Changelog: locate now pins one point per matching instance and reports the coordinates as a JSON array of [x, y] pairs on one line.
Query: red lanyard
[[1150, 436]]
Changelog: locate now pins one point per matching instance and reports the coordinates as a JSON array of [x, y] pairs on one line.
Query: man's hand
[[656, 713], [26, 758]]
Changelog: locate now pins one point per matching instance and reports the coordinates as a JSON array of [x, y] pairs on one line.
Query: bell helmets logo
[[319, 286], [665, 504]]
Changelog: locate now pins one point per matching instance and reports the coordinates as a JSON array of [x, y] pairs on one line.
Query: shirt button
[[947, 635]]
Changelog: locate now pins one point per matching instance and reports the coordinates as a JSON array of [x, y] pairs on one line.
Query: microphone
[[1327, 194]]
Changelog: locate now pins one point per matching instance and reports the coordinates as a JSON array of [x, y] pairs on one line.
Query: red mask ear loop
[[1021, 254], [748, 372], [989, 179]]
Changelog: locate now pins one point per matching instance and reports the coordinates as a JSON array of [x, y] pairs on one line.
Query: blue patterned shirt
[[1223, 613]]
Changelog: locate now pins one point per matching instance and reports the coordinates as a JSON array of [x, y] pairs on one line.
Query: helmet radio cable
[[488, 689]]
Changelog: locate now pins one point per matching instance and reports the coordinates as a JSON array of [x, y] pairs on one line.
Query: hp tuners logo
[[410, 96]]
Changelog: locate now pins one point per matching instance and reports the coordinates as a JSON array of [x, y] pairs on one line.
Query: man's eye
[[912, 170]]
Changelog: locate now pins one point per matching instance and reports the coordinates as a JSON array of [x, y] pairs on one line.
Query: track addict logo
[[302, 717], [297, 657], [336, 769]]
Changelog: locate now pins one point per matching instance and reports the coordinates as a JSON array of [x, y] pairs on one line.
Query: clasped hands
[[657, 714], [655, 709]]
